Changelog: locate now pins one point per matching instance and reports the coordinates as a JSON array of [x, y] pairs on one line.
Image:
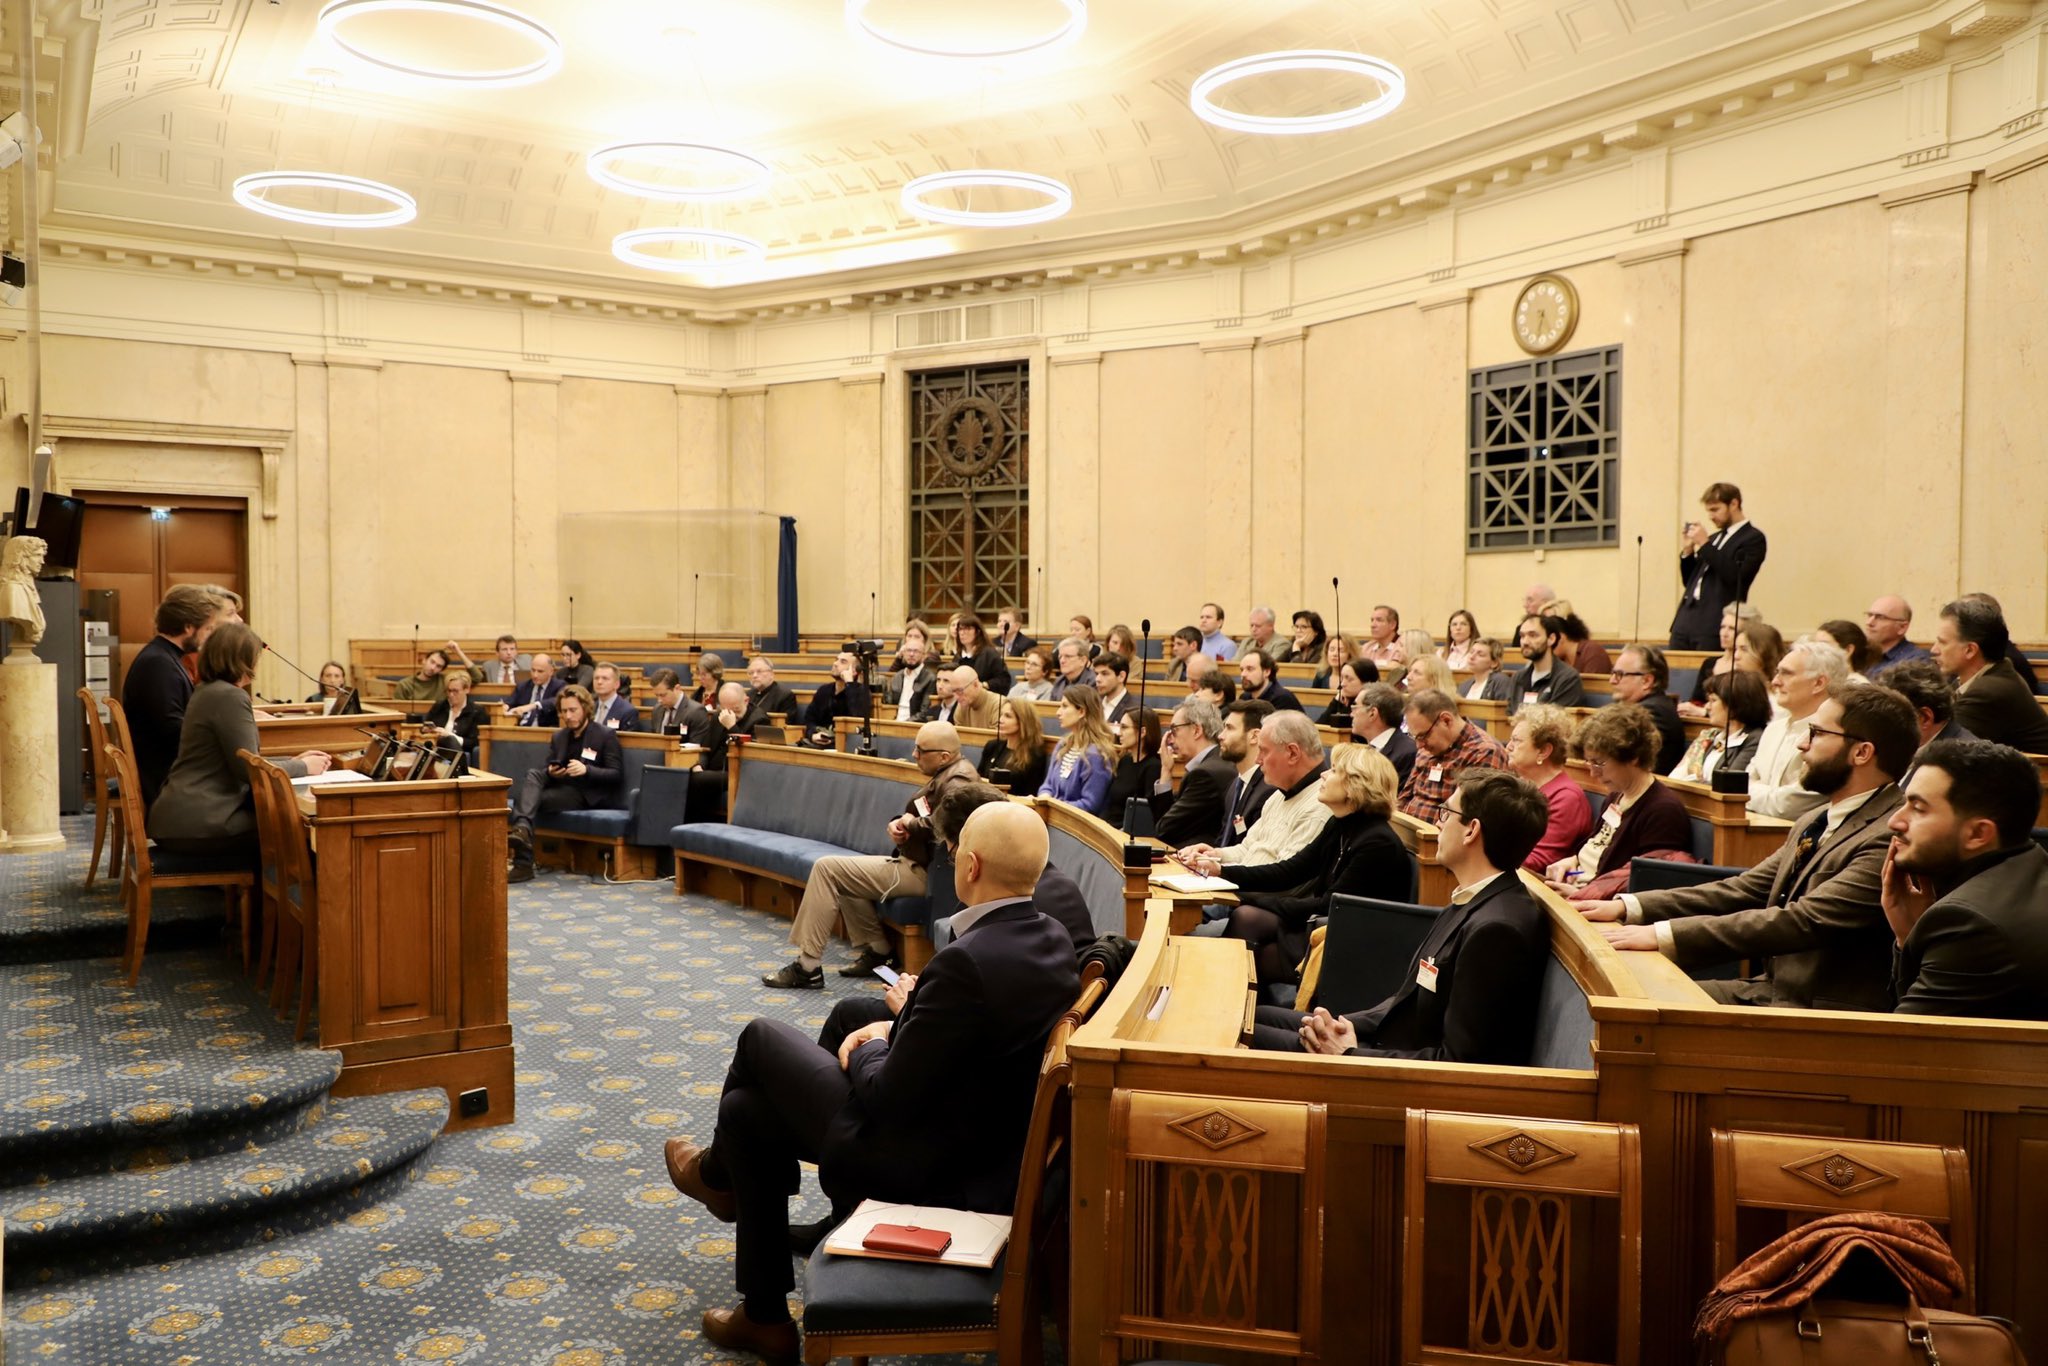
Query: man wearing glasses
[[1196, 815], [1446, 745], [1469, 994], [848, 886], [1813, 910], [1885, 626], [1640, 676], [1809, 671]]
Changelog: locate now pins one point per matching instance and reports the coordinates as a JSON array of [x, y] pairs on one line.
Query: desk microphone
[[1144, 650], [268, 649], [1337, 625]]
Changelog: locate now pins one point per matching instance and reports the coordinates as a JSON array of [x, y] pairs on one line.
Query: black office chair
[[1367, 947]]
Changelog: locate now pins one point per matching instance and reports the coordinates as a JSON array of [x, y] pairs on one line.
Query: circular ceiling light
[[1076, 21], [749, 173], [628, 247], [917, 198], [1393, 88], [547, 59], [252, 192]]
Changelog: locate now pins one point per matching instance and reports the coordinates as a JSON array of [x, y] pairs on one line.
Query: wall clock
[[1546, 311]]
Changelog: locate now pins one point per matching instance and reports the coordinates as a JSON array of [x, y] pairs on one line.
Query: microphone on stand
[[1636, 619], [270, 649], [572, 616], [1144, 653], [869, 655], [694, 577], [1337, 621]]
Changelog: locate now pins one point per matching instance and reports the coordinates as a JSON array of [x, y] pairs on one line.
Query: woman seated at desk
[[1489, 682], [1643, 816], [1351, 682], [1738, 708], [1036, 685], [1016, 757], [333, 678], [1536, 750], [205, 810], [456, 715], [1081, 767], [1137, 772], [1357, 853]]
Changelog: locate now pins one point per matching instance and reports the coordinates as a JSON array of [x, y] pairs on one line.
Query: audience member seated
[[430, 684], [1215, 685], [1260, 680], [2014, 655], [1811, 911], [1847, 637], [845, 888], [1182, 643], [576, 666], [1376, 719], [1537, 747], [1196, 814], [1016, 757], [504, 666], [1288, 815], [1416, 643], [1342, 650], [157, 689], [1057, 895], [1445, 745], [842, 695], [1641, 676], [1490, 682], [1752, 645], [456, 715], [1642, 816], [1965, 886], [1470, 992], [707, 676], [1122, 641], [973, 705], [1992, 701], [205, 810], [333, 678], [1037, 683], [914, 630], [1382, 644], [1580, 650], [1082, 629], [1355, 851], [1215, 644], [973, 648], [665, 713], [1311, 640], [584, 771], [609, 708], [1428, 671], [908, 690], [1074, 667], [1238, 742], [1010, 635], [1806, 675], [1081, 767], [1112, 676], [1461, 640], [675, 712], [1535, 598], [1350, 683], [930, 1108], [1137, 764], [766, 696], [1922, 683], [1738, 709], [734, 706], [1885, 627], [1264, 635], [533, 702], [1545, 677]]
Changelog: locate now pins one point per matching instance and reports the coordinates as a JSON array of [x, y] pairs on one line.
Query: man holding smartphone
[[1717, 565], [584, 769]]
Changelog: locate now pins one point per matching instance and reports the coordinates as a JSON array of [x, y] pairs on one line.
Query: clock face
[[1545, 314]]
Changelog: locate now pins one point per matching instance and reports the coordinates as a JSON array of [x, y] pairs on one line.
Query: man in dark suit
[[665, 714], [157, 687], [533, 702], [1811, 910], [1010, 636], [1545, 677], [930, 1108], [1965, 886], [1376, 719], [766, 697], [1196, 815], [1641, 675], [584, 770], [1717, 566], [1933, 697], [1259, 681], [612, 711], [1469, 994], [1112, 679], [1992, 701], [844, 695]]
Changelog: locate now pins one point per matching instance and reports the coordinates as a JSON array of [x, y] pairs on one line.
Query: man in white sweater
[[1291, 760], [1808, 673]]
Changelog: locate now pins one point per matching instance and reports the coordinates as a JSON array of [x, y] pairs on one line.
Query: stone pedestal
[[28, 753]]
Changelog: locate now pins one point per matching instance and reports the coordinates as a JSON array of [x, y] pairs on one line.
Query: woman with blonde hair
[[1338, 651], [1428, 671], [1085, 761], [1415, 643], [1018, 751]]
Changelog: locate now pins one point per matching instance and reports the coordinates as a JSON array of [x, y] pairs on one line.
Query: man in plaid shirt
[[1445, 745]]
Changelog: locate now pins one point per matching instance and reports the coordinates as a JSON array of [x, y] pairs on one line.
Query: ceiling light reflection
[[917, 198], [753, 173], [628, 247], [1076, 22], [251, 191], [545, 64], [1393, 88]]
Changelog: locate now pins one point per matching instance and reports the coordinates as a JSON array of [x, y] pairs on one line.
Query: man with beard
[[1966, 888], [1545, 678], [1812, 910]]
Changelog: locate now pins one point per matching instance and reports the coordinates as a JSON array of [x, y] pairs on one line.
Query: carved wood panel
[[970, 489]]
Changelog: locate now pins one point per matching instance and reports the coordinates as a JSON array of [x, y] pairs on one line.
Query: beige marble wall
[[807, 475], [1158, 547], [1070, 463]]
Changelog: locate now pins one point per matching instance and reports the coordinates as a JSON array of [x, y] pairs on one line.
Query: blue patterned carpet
[[555, 1240]]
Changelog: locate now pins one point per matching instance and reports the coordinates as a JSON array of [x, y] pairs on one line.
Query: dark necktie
[[1226, 839], [1807, 843]]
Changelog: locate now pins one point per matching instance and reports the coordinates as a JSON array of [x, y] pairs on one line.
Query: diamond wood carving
[[1839, 1174], [1522, 1152], [1216, 1129]]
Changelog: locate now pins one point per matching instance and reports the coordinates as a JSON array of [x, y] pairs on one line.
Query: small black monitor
[[59, 521]]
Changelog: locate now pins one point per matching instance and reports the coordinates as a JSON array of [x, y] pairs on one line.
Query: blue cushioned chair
[[864, 1306], [1367, 946], [1661, 875]]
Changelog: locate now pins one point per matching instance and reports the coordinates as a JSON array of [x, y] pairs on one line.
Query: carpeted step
[[108, 1219], [104, 1077]]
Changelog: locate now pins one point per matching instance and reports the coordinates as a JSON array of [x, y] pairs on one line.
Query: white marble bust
[[21, 607]]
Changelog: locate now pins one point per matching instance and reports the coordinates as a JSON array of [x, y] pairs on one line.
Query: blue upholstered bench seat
[[874, 1295], [787, 857], [789, 816], [596, 823]]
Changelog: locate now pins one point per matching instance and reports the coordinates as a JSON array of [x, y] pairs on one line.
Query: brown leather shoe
[[734, 1331], [686, 1170]]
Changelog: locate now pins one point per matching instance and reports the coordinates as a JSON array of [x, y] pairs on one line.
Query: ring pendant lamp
[[1393, 89], [1072, 28], [917, 198], [754, 173], [547, 61], [252, 191], [630, 248]]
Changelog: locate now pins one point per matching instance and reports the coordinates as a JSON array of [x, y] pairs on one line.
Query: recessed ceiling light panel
[[545, 61], [739, 172], [1071, 28], [253, 191], [630, 247], [1393, 89], [917, 198]]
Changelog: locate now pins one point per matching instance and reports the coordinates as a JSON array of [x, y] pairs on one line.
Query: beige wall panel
[[1555, 210], [806, 477], [1818, 141], [868, 557], [700, 450], [85, 297], [1151, 438], [658, 345], [539, 606], [1070, 463], [2004, 482], [355, 502], [1784, 354], [446, 537], [153, 382], [306, 474], [1244, 492], [413, 319], [1278, 561], [1399, 253], [618, 447], [1145, 303]]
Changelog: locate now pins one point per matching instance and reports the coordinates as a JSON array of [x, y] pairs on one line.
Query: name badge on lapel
[[1237, 823], [1436, 775], [589, 756], [924, 808], [1425, 974]]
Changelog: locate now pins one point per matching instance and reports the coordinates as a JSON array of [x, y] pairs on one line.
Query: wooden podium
[[412, 940]]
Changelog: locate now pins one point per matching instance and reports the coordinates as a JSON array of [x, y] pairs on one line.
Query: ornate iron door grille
[[1544, 453], [970, 489]]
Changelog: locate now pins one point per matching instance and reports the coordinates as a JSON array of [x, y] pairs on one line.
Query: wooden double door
[[140, 544]]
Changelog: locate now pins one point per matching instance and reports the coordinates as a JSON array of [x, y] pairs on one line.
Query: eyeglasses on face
[[1619, 674], [1844, 736], [1881, 616]]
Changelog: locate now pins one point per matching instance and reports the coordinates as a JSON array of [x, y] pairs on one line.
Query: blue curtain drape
[[785, 588]]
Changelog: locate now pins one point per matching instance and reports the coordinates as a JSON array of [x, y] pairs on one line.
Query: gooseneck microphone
[[270, 649], [1636, 618], [1337, 608]]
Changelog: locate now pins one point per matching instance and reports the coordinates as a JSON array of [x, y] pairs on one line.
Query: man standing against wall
[[1717, 566]]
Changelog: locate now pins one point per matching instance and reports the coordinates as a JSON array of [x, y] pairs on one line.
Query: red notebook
[[907, 1240]]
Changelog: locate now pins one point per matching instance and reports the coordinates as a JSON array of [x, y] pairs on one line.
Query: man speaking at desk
[[1469, 995], [930, 1108]]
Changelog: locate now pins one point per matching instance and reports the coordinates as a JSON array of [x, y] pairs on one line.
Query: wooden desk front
[[296, 732]]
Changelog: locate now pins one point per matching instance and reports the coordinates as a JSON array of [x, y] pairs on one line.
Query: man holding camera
[[845, 695], [1717, 565]]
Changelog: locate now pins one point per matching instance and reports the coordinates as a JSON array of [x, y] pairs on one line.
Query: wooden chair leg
[[267, 932], [138, 930], [99, 834], [120, 844], [287, 962], [309, 975], [238, 907]]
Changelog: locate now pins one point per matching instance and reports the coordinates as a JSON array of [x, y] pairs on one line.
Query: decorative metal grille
[[1544, 453], [970, 489]]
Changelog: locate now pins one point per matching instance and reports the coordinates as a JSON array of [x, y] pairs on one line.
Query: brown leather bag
[[1850, 1333]]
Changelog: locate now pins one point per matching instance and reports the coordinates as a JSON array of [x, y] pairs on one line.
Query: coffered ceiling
[[187, 95]]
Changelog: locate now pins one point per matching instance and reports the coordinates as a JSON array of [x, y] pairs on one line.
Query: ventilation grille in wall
[[966, 323]]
